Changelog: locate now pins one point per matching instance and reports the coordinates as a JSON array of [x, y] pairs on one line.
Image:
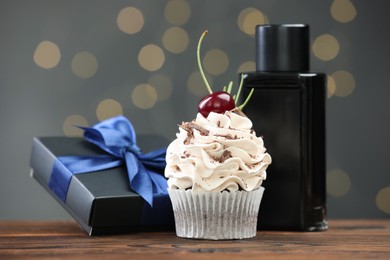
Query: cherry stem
[[239, 88], [246, 100], [229, 88], [200, 64]]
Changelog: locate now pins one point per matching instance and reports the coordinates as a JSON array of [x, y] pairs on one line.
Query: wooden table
[[345, 239]]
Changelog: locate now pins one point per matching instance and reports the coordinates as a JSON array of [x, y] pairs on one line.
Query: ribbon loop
[[116, 136]]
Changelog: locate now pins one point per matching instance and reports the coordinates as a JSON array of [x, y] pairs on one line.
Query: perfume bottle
[[288, 109]]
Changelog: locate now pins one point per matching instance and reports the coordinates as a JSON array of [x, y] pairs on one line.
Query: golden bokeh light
[[382, 200], [163, 86], [326, 47], [177, 12], [108, 108], [331, 86], [84, 64], [151, 57], [144, 96], [338, 182], [196, 85], [47, 55], [249, 18], [175, 40], [216, 62], [344, 82], [70, 124], [247, 66], [130, 20], [343, 11]]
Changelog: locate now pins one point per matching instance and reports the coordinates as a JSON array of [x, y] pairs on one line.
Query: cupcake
[[215, 168]]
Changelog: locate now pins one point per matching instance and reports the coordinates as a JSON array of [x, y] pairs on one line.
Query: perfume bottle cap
[[283, 47]]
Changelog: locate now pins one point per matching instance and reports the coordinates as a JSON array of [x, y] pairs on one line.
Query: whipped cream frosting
[[220, 152]]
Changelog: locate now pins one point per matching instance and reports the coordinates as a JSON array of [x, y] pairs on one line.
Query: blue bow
[[115, 136]]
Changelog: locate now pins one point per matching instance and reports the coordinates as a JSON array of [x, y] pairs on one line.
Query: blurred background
[[79, 62]]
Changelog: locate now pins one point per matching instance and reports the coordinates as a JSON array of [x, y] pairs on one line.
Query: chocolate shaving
[[189, 127], [190, 135], [228, 136], [225, 155]]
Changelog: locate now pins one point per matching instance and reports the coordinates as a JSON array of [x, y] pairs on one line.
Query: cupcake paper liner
[[216, 215]]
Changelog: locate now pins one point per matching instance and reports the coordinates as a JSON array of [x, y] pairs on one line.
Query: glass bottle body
[[288, 110]]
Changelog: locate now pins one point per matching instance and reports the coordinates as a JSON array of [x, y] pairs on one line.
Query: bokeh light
[[177, 12], [70, 124], [162, 84], [247, 66], [175, 40], [249, 18], [108, 108], [130, 20], [343, 11], [144, 96], [196, 85], [47, 55], [344, 82], [338, 182], [331, 86], [151, 57], [326, 47], [215, 62], [382, 200], [84, 64]]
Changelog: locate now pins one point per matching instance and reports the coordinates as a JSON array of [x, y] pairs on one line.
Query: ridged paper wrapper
[[216, 215]]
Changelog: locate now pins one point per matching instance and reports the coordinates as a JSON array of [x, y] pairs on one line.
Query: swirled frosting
[[220, 152]]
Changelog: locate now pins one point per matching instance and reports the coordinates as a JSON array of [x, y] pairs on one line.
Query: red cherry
[[217, 102]]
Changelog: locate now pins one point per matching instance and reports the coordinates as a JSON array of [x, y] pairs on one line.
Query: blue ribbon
[[117, 137]]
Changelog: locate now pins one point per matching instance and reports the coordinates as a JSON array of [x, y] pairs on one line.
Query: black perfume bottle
[[288, 109]]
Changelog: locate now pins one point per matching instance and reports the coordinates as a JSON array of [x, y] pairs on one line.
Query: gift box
[[101, 201]]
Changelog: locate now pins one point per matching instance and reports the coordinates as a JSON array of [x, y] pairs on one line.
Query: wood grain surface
[[345, 239]]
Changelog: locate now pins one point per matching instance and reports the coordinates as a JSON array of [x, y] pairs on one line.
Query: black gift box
[[101, 202]]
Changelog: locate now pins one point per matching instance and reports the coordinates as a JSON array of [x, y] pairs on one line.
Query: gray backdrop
[[39, 101]]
